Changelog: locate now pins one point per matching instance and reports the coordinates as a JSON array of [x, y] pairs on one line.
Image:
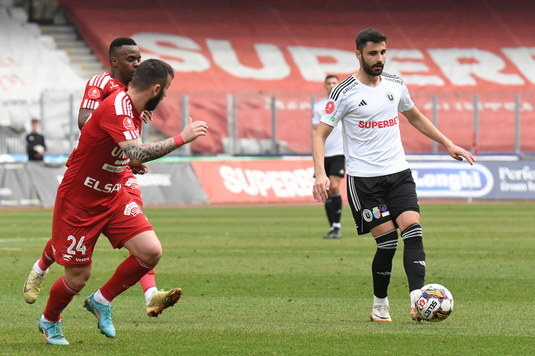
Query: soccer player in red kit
[[91, 199], [124, 56]]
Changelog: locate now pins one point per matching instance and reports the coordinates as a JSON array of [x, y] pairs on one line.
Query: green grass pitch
[[260, 280]]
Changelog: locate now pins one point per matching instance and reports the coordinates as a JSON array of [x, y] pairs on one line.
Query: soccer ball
[[435, 302]]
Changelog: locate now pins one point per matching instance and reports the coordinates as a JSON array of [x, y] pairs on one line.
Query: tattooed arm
[[139, 152]]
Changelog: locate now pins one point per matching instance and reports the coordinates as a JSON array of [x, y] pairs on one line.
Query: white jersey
[[333, 144], [370, 124]]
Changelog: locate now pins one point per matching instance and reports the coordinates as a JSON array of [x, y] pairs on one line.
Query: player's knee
[[152, 254], [77, 278]]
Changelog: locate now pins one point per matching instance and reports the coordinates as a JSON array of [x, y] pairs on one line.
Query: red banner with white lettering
[[451, 49], [257, 181]]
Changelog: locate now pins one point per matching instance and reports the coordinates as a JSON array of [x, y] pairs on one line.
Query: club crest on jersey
[[93, 93], [329, 108], [128, 123], [389, 96]]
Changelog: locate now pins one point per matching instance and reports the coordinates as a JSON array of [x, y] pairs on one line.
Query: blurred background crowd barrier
[[254, 70]]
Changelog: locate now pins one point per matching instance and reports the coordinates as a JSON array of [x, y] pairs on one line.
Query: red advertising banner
[[257, 181], [257, 50]]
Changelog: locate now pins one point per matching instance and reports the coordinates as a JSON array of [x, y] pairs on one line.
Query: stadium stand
[[36, 80], [284, 48], [257, 51]]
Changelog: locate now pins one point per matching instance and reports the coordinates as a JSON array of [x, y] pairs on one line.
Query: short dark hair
[[367, 35], [119, 42], [330, 76], [150, 72]]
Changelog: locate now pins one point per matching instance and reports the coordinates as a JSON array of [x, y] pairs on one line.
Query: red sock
[[127, 274], [47, 258], [148, 281], [60, 296]]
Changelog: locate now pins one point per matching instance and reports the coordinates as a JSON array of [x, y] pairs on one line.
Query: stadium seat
[[6, 3], [18, 14]]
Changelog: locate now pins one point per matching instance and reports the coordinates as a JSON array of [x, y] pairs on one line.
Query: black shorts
[[375, 200], [335, 166]]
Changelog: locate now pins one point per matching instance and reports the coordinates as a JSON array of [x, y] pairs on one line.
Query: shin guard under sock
[[414, 256], [60, 296], [47, 258], [127, 274], [382, 262]]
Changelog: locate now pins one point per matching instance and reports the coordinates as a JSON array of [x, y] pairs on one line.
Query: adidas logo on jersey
[[362, 103]]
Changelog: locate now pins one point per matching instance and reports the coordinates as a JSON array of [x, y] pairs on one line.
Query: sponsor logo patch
[[329, 107], [93, 93], [132, 209], [376, 213], [128, 123]]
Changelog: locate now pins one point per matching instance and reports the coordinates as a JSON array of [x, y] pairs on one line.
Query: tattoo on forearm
[[150, 151]]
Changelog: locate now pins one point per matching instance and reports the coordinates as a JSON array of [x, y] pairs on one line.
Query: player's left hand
[[147, 116], [459, 153], [193, 130], [139, 169]]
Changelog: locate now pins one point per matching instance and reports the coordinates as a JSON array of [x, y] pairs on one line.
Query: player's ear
[[156, 89], [357, 54]]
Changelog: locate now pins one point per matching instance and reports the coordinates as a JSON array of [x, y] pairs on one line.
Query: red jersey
[[98, 88], [96, 167]]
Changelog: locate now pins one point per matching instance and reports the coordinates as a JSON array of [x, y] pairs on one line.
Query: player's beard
[[153, 103], [369, 70]]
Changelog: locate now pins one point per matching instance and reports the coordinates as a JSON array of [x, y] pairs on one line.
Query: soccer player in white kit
[[335, 164], [381, 190]]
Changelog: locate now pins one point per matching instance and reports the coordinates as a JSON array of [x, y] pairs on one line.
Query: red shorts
[[75, 230], [132, 187]]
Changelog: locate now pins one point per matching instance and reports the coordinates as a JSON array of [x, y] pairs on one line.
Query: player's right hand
[[193, 130], [320, 188]]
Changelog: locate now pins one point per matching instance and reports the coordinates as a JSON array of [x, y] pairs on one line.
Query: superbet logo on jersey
[[93, 93], [329, 107]]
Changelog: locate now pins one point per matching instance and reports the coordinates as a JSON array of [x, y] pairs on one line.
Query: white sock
[[99, 298], [39, 270], [336, 225], [380, 301], [46, 320], [149, 293]]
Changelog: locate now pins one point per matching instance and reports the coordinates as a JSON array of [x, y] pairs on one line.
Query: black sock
[[414, 256], [330, 210], [382, 262], [337, 207]]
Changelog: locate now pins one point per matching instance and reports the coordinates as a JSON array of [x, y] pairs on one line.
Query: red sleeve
[[93, 96], [120, 127]]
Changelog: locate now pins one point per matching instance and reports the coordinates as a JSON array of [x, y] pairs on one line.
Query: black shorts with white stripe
[[335, 166], [376, 200]]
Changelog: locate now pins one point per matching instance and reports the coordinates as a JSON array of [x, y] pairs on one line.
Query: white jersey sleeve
[[405, 102], [317, 111], [334, 143], [335, 106]]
